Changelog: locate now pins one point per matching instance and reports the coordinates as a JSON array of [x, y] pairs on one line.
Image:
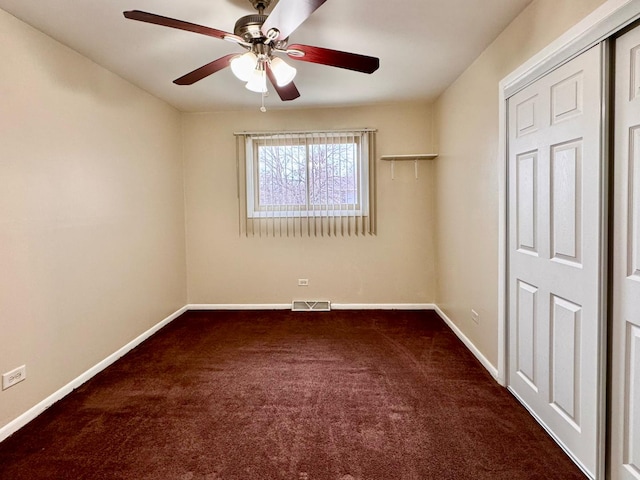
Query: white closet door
[[555, 253], [625, 356]]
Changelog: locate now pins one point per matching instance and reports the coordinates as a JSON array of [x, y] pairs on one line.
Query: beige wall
[[396, 266], [467, 169], [91, 214]]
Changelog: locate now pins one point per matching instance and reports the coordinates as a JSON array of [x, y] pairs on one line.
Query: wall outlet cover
[[16, 375]]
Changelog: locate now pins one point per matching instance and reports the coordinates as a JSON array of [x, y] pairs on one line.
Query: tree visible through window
[[307, 176]]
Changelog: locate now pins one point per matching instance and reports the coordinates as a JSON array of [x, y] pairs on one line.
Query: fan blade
[[288, 15], [287, 92], [334, 58], [206, 70], [180, 25]]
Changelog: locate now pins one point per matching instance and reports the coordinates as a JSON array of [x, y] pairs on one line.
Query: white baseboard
[[469, 344], [334, 306], [383, 306], [33, 412], [238, 306]]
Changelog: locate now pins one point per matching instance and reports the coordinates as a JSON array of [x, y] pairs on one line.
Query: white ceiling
[[423, 46]]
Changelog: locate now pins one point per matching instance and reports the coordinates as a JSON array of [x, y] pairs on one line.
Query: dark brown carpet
[[345, 395]]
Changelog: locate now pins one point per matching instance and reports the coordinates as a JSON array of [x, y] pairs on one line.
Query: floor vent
[[311, 306]]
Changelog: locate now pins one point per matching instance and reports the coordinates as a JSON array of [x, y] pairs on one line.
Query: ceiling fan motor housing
[[248, 27]]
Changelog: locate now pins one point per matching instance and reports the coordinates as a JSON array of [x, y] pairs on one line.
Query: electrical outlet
[[16, 375], [475, 317], [303, 282]]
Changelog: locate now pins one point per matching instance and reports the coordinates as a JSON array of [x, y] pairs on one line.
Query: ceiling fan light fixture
[[282, 71], [257, 81], [244, 65]]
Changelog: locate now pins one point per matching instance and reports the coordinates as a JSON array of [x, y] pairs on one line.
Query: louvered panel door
[[555, 253], [625, 356]]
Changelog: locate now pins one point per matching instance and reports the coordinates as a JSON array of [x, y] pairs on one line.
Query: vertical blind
[[307, 183]]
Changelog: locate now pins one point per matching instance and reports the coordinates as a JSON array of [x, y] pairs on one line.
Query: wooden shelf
[[416, 156]]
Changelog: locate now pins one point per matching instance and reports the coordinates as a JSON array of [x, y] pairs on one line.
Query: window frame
[[308, 139]]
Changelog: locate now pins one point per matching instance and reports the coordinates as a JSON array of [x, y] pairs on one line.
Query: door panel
[[555, 249], [526, 333], [527, 201], [634, 202], [632, 405], [566, 198], [566, 98], [625, 357], [565, 359], [526, 119]]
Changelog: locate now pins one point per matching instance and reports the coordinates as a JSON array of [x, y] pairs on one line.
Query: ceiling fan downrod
[[260, 5]]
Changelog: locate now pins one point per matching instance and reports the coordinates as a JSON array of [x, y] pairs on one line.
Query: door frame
[[608, 19]]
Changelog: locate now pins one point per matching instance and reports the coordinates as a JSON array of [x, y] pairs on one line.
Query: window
[[307, 177]]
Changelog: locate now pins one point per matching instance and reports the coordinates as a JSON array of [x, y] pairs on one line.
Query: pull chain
[[263, 109]]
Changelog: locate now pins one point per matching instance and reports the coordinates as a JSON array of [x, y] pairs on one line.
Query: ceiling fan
[[263, 36]]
